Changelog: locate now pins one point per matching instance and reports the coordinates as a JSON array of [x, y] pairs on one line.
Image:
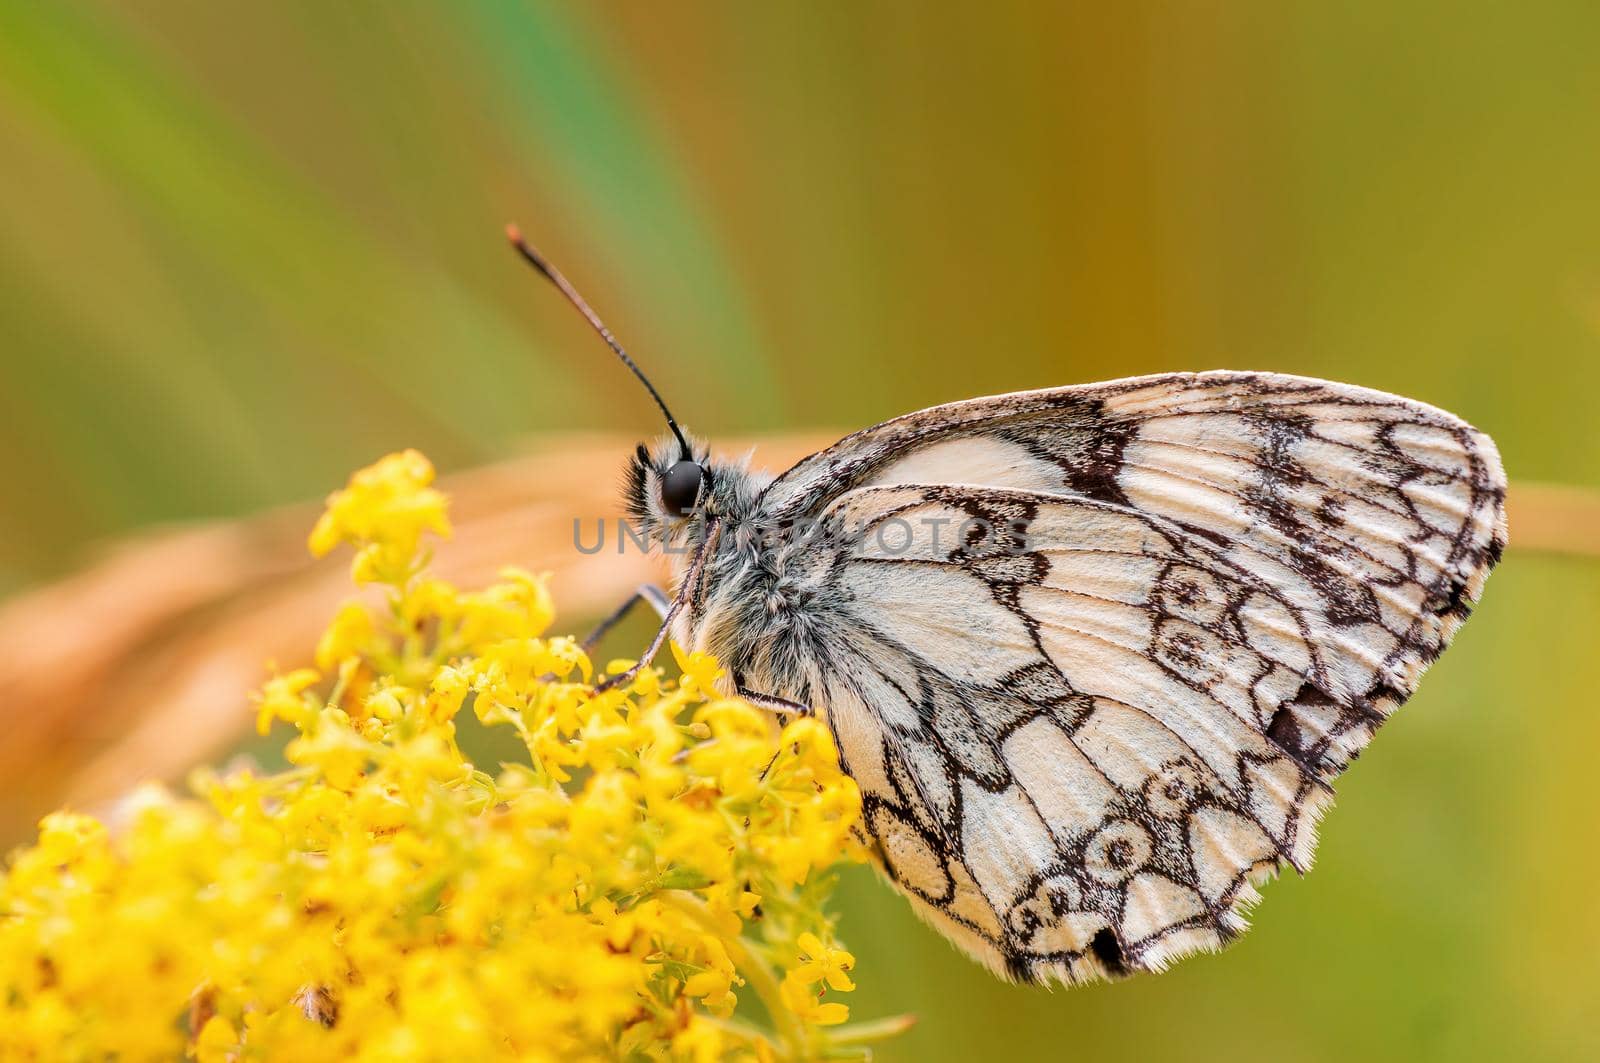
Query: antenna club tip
[[513, 233]]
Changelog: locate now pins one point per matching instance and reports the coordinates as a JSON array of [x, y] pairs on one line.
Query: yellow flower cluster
[[647, 885]]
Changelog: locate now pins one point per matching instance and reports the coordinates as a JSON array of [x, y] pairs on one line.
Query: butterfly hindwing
[[1094, 655]]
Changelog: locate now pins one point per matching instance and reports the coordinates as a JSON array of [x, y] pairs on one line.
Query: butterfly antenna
[[553, 275]]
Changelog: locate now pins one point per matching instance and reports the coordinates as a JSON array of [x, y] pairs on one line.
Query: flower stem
[[860, 1033], [755, 969]]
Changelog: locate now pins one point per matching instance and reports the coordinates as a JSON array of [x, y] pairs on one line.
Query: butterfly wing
[[1259, 455], [1096, 678]]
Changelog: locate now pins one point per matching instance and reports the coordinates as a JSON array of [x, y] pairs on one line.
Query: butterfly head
[[669, 494]]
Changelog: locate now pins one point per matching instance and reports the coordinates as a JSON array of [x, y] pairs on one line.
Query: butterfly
[[1093, 654]]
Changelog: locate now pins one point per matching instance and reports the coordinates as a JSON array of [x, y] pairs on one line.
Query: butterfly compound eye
[[680, 489]]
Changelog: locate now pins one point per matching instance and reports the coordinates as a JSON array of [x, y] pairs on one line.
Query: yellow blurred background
[[245, 248]]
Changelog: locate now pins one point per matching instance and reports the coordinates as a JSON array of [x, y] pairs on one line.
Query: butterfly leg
[[772, 702], [647, 592], [623, 678], [691, 583]]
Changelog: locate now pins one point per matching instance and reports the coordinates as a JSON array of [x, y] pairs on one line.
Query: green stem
[[757, 972], [860, 1033]]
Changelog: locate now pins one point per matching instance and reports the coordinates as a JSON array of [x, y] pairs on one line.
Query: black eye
[[680, 488]]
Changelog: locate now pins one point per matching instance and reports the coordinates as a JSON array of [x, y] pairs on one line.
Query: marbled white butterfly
[[1093, 654]]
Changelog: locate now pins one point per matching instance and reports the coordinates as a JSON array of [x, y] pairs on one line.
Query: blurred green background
[[245, 248]]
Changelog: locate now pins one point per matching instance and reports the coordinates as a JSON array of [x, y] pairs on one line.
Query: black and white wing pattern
[[1094, 655]]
